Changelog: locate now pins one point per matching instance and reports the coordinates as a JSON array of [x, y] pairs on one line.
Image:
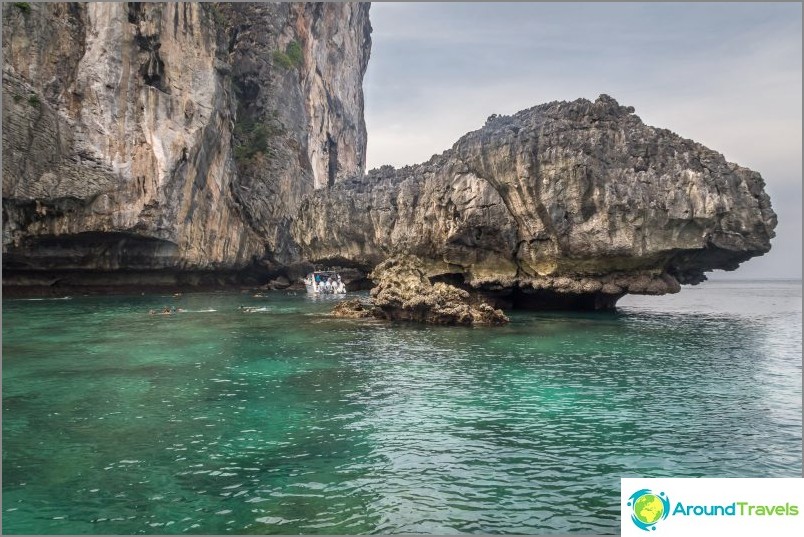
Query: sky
[[727, 75]]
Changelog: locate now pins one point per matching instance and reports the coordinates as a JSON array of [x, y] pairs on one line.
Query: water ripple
[[292, 422]]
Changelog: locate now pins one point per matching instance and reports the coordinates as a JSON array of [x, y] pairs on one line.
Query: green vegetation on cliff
[[291, 57], [253, 136]]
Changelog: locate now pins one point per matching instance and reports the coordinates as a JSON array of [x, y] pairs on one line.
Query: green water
[[286, 421]]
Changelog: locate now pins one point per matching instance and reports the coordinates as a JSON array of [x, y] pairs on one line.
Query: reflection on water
[[283, 420]]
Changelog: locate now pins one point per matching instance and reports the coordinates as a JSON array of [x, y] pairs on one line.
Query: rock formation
[[405, 293], [567, 204], [208, 143], [353, 309], [172, 138]]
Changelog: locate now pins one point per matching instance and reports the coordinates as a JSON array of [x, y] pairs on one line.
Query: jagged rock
[[403, 292], [569, 204], [353, 309], [281, 282]]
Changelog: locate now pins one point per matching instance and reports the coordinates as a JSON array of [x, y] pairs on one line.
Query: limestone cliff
[[178, 137], [196, 143], [568, 204]]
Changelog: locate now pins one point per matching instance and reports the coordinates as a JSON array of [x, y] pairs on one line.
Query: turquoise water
[[286, 421]]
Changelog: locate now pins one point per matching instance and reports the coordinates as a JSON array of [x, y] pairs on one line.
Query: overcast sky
[[725, 75]]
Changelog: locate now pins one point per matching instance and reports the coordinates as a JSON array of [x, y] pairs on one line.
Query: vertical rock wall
[[297, 71]]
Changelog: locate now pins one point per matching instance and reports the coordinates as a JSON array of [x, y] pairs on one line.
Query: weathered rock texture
[[353, 309], [205, 143], [405, 293], [568, 204], [173, 137]]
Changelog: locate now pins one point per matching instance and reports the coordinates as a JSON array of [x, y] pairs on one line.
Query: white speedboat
[[324, 282]]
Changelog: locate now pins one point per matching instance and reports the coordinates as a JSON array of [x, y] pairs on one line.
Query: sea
[[279, 419]]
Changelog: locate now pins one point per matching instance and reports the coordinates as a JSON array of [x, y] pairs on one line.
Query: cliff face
[[297, 72], [173, 136], [565, 204]]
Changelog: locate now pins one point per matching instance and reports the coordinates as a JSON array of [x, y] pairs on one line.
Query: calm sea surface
[[286, 421]]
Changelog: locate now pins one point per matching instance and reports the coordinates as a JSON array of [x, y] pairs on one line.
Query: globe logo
[[648, 508]]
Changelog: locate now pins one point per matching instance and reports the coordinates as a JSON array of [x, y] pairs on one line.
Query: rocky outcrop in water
[[158, 139], [567, 204], [403, 292], [353, 309]]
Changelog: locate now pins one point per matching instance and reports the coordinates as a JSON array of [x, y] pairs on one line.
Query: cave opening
[[545, 300], [91, 250]]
